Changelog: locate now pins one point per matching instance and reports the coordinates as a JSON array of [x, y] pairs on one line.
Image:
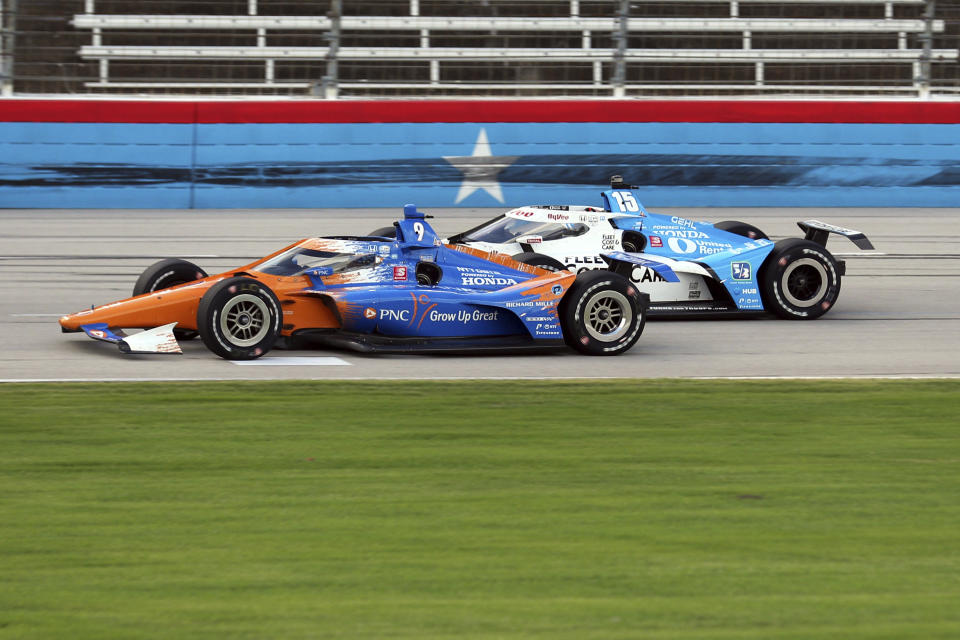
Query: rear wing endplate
[[818, 232]]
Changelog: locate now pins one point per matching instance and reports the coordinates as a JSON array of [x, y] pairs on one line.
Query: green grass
[[552, 510]]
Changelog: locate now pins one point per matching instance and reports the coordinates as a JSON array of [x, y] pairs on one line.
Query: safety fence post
[[8, 23], [328, 83], [619, 78]]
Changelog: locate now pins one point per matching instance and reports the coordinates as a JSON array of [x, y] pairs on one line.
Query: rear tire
[[603, 314], [385, 232], [741, 229], [165, 274], [239, 319], [539, 260], [799, 280]]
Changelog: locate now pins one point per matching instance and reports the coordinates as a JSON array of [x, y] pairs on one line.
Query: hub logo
[[740, 270]]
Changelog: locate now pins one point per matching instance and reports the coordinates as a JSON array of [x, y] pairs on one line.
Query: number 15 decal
[[626, 201]]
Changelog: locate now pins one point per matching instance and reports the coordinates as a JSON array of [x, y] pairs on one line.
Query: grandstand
[[440, 48]]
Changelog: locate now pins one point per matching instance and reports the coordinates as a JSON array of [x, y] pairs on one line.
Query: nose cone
[[71, 322]]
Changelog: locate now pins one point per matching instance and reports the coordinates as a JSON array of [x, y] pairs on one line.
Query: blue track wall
[[478, 164]]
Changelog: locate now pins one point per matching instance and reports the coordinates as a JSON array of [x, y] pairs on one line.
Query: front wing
[[157, 340]]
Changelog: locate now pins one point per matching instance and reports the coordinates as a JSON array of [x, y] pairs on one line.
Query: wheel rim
[[607, 316], [244, 320], [804, 282]]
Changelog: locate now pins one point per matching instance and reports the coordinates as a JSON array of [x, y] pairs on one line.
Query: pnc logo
[[370, 313], [394, 314]]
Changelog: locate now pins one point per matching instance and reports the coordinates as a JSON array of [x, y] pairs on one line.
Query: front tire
[[239, 319], [633, 242], [165, 274], [800, 280], [603, 314]]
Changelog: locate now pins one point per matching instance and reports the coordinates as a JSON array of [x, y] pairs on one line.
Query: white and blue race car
[[685, 266]]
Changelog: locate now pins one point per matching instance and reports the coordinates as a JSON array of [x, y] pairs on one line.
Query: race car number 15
[[626, 201]]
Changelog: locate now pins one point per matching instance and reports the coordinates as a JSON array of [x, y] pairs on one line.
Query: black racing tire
[[385, 232], [602, 314], [633, 242], [239, 318], [799, 280], [741, 229], [535, 259], [165, 274]]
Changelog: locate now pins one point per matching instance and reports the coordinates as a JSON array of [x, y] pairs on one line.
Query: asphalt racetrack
[[898, 314]]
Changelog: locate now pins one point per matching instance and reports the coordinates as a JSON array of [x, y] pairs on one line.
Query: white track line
[[854, 254], [931, 376], [296, 361]]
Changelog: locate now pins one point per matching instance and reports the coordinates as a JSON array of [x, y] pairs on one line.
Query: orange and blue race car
[[404, 294]]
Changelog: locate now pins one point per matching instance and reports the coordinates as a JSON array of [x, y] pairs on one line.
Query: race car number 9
[[418, 229], [626, 201]]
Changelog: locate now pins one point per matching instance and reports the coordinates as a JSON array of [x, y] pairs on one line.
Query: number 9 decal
[[418, 229]]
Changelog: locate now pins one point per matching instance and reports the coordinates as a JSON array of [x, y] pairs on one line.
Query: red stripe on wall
[[321, 111], [97, 111]]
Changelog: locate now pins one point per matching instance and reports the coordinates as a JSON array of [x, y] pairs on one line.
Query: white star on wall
[[480, 169]]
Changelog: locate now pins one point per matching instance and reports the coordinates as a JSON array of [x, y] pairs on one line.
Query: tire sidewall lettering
[[778, 272], [227, 291], [631, 293]]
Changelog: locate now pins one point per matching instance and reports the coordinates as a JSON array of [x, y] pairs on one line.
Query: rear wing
[[818, 232]]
